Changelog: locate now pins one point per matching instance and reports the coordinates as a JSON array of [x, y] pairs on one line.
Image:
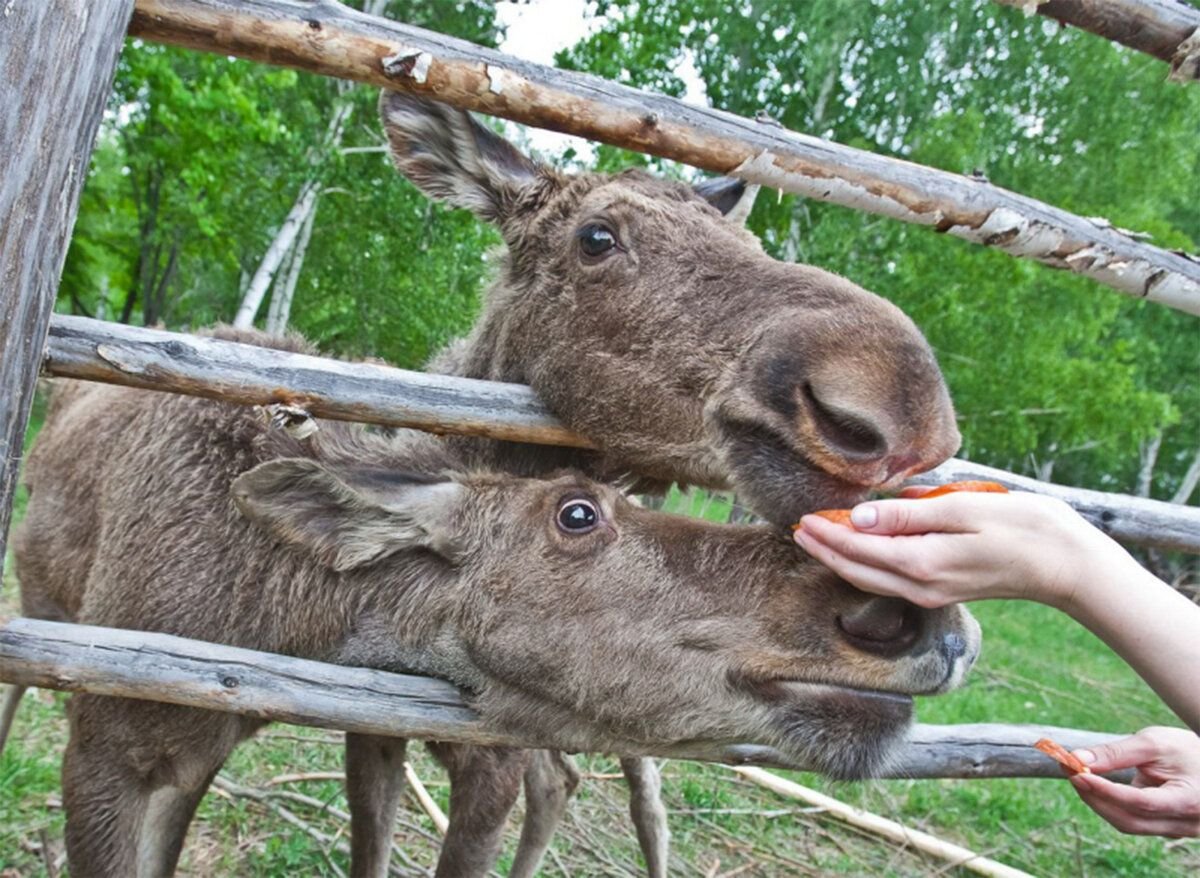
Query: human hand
[[1164, 798], [965, 546]]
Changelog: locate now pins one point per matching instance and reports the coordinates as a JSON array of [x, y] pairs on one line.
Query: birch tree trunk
[[57, 60], [1190, 479], [293, 235], [278, 249], [281, 298]]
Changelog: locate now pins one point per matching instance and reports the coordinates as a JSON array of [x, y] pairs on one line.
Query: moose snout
[[920, 651], [882, 626], [863, 401]]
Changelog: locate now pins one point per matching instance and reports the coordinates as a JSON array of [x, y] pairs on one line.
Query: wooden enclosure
[[37, 209]]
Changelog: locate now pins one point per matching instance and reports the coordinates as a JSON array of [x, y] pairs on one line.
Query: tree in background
[[202, 158]]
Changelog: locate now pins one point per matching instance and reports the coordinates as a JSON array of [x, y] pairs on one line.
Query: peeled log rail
[[329, 38], [1167, 29], [161, 667], [167, 361], [79, 347]]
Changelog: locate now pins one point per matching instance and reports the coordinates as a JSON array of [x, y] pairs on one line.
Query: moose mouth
[[771, 475], [840, 731]]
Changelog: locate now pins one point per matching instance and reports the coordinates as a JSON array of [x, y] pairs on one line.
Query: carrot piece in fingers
[[837, 516], [973, 487], [1062, 756], [842, 516]]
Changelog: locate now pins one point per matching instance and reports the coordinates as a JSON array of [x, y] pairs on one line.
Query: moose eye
[[577, 516], [596, 240]]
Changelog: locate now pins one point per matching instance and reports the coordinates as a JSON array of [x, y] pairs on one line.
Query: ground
[[1037, 667]]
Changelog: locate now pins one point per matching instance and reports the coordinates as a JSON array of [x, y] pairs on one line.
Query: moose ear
[[450, 156], [345, 526], [732, 197]]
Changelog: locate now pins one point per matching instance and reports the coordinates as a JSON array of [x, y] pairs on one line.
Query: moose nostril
[[846, 431], [953, 646], [884, 626]]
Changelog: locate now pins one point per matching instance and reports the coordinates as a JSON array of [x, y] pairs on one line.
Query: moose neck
[[404, 615], [495, 351]]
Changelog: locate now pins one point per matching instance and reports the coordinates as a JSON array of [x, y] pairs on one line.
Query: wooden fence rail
[[79, 347], [160, 667], [329, 38], [1167, 29]]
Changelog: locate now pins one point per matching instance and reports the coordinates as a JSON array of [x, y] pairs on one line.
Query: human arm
[[969, 547]]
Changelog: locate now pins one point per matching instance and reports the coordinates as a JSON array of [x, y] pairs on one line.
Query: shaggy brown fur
[[375, 551], [683, 351]]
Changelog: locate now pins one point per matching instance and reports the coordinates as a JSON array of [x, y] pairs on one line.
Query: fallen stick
[[440, 822], [311, 775], [957, 855]]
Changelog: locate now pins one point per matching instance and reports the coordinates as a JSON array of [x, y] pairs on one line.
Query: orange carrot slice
[[1062, 756], [842, 516], [837, 516], [974, 487]]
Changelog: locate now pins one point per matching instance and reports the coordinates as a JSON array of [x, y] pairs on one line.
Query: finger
[[1136, 824], [905, 556], [1125, 753], [865, 577], [1168, 800], [951, 513]]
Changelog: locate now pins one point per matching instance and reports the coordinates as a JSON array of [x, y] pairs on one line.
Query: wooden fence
[[61, 104]]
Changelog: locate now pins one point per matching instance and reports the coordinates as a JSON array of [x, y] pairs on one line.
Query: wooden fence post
[[57, 60]]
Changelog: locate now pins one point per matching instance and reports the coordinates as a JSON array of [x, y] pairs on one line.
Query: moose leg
[[8, 710], [550, 781], [133, 775], [649, 815], [374, 785], [168, 813], [484, 783]]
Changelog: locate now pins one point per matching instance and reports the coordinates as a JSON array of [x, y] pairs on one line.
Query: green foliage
[[198, 162]]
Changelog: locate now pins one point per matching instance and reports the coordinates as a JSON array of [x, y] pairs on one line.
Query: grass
[[1037, 667]]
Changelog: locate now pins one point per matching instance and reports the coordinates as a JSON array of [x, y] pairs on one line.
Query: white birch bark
[[1190, 479], [278, 249], [281, 298], [303, 208]]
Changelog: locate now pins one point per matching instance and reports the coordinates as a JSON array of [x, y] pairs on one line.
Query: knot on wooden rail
[[408, 63]]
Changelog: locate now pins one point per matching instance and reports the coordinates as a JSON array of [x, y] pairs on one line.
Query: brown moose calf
[[559, 606]]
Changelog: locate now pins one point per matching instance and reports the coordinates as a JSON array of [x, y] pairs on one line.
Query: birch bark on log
[[329, 38], [156, 360], [1166, 29], [57, 60], [160, 667]]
